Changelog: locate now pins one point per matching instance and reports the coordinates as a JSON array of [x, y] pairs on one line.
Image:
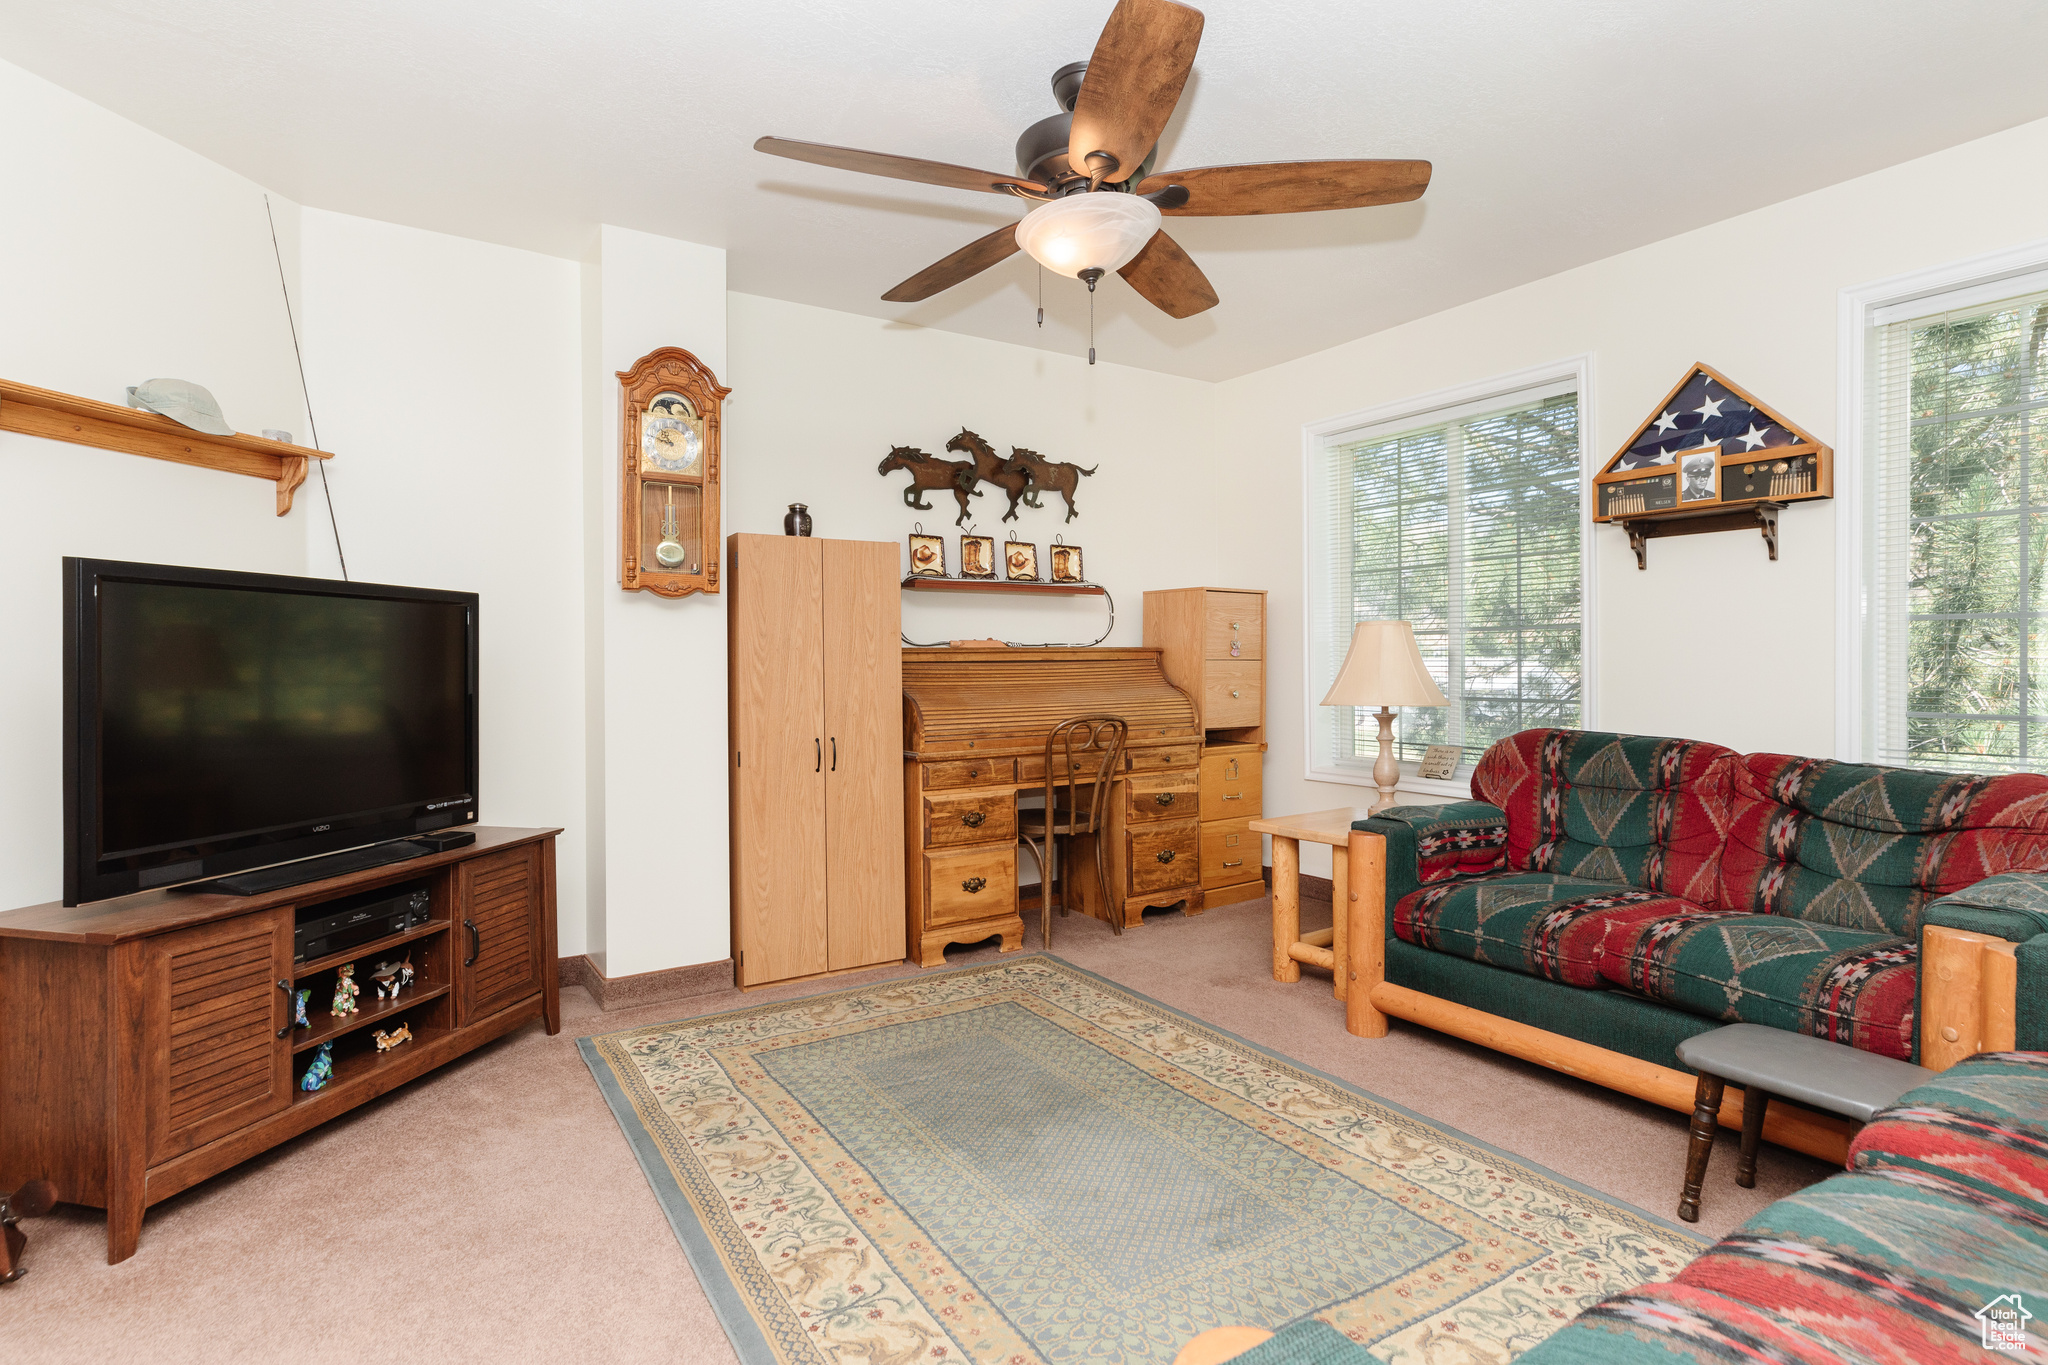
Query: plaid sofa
[[1934, 1240], [1631, 891]]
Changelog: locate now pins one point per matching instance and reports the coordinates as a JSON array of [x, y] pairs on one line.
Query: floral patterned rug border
[[1490, 1322]]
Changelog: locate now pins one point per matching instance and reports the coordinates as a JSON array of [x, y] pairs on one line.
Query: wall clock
[[669, 406]]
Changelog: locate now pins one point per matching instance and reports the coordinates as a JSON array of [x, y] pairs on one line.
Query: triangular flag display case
[[1710, 458]]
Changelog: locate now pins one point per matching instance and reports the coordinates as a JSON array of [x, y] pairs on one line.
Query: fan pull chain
[[1041, 296], [1091, 275]]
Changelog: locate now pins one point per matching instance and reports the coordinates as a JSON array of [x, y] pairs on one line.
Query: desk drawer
[[1086, 765], [1168, 756], [1159, 796], [1230, 693], [1164, 855], [977, 817], [971, 772], [1235, 618], [1231, 853], [972, 884], [1231, 788]]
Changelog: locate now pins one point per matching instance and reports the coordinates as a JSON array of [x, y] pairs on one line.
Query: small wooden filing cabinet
[[1213, 645]]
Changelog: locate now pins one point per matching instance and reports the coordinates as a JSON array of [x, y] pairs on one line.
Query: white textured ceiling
[[1561, 130]]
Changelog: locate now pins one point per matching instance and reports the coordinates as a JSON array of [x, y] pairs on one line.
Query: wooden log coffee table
[[1319, 947]]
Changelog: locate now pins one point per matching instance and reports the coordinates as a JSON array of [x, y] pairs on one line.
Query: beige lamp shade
[[1384, 668]]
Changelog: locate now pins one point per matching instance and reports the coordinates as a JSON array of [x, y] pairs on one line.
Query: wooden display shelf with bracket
[[110, 426], [929, 583]]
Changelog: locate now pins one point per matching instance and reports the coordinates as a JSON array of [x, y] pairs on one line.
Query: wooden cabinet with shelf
[[1213, 643], [147, 1042]]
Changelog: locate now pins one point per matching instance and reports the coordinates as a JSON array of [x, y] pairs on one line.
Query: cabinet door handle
[[973, 819], [973, 884], [1165, 855], [819, 745], [1163, 798], [286, 987], [835, 753], [1235, 862], [476, 942]]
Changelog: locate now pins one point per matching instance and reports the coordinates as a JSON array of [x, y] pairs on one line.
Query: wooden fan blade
[[964, 264], [897, 167], [1134, 79], [1169, 279], [1291, 186]]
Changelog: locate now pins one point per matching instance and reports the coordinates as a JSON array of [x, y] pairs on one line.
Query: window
[[1956, 529], [1466, 521]]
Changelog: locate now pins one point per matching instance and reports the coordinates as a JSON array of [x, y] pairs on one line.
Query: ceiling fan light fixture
[[1100, 231]]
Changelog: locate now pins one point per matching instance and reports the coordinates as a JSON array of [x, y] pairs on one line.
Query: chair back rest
[[1085, 751], [1649, 812], [1864, 847]]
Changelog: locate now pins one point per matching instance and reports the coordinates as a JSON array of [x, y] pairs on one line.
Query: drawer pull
[[1165, 855], [973, 819], [1233, 691], [1235, 862], [1233, 796], [1163, 798], [974, 772], [973, 884]]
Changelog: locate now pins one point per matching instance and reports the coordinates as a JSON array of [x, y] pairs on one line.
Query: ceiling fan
[[1089, 170]]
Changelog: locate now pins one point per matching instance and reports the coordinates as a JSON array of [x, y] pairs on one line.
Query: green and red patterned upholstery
[[1844, 985], [1890, 1264], [1984, 1122], [1867, 848], [1763, 889], [1652, 813]]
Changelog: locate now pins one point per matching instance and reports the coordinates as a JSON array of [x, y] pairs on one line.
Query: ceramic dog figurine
[[392, 977], [345, 991], [299, 1019], [323, 1067], [386, 1041]]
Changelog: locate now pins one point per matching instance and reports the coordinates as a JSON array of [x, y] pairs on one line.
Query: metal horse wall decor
[[927, 473], [1050, 476], [1023, 476], [991, 468]]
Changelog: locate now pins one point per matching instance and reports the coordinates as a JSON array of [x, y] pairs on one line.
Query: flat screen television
[[215, 722]]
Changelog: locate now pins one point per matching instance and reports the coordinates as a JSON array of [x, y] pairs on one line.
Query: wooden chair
[[1082, 756]]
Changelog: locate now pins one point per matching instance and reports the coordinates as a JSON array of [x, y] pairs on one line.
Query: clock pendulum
[[670, 550]]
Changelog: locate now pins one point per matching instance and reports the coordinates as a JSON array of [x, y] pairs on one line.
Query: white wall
[[1713, 641], [445, 374], [657, 664], [123, 257]]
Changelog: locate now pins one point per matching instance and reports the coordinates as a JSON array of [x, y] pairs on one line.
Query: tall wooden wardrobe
[[816, 698]]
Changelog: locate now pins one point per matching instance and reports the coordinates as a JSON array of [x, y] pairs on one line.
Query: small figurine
[[386, 1041], [322, 1068], [345, 991], [299, 1019], [391, 977]]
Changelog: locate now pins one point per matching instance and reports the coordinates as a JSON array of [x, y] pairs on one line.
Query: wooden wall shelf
[[922, 583], [110, 426]]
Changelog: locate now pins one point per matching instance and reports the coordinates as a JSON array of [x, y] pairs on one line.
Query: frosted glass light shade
[[1384, 668], [1100, 230]]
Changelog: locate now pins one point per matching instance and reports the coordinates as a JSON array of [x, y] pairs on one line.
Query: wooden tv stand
[[146, 1042]]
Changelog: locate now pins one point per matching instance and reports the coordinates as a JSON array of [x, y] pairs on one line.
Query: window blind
[[1464, 522], [1956, 539]]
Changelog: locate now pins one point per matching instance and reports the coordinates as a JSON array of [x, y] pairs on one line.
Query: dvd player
[[333, 926]]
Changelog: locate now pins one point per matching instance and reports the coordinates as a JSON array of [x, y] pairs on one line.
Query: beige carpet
[[492, 1211]]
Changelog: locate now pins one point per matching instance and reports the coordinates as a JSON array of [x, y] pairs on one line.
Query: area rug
[[1023, 1163]]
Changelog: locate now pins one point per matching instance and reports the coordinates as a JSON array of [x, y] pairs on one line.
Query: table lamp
[[1384, 669]]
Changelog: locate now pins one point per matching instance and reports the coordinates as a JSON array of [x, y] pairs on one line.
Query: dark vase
[[797, 520]]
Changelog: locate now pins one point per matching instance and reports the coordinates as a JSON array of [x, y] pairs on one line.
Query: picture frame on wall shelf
[[1020, 561], [1696, 475], [1066, 563], [927, 554], [977, 556]]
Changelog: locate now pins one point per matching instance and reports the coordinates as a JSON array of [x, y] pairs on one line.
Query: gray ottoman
[[1769, 1061]]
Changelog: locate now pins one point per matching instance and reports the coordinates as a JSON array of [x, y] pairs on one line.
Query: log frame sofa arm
[[1984, 969]]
